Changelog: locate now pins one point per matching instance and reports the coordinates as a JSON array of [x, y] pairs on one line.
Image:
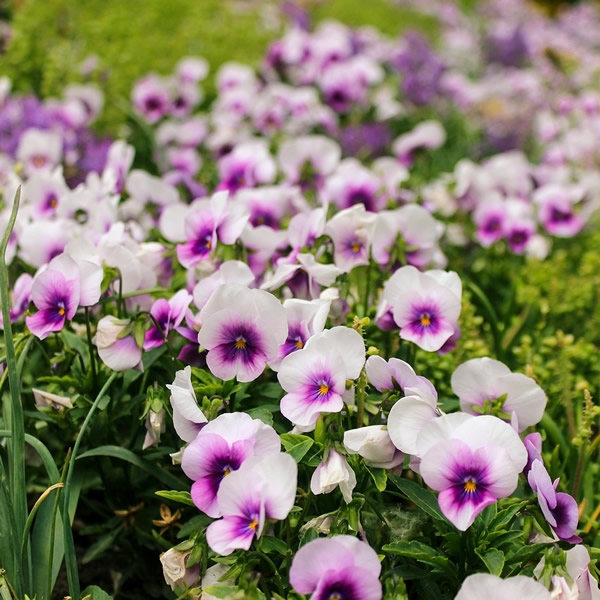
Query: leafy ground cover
[[312, 314]]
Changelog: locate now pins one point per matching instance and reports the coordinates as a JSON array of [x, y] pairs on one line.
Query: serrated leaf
[[296, 445], [493, 559], [422, 498], [181, 497], [379, 477]]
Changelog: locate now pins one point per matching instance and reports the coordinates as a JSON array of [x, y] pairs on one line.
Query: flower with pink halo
[[166, 316], [341, 566], [315, 376], [219, 448], [263, 488], [426, 306], [242, 330]]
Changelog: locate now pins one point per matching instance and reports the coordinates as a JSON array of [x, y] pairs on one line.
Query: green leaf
[[296, 445], [423, 553], [493, 559], [424, 499], [128, 456], [379, 477], [181, 497], [99, 546], [220, 590], [93, 592], [262, 414], [272, 544]]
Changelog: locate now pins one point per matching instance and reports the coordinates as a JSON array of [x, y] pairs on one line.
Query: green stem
[[361, 395], [71, 564], [14, 418], [91, 350]]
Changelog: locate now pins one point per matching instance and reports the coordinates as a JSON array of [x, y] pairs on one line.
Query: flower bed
[[331, 333]]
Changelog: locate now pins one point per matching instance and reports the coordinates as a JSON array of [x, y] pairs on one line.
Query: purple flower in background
[[365, 140], [341, 567], [264, 487], [220, 448], [150, 98], [242, 330], [420, 67], [20, 296]]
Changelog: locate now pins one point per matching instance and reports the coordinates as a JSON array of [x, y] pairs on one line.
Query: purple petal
[[231, 533]]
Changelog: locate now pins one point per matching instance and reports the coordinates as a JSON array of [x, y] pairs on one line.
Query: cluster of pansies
[[286, 257]]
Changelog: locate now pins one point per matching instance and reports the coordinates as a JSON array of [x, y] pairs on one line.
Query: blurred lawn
[[51, 38]]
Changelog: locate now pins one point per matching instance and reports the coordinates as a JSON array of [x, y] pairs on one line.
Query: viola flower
[[188, 419], [231, 271], [352, 183], [264, 487], [315, 377], [150, 98], [426, 135], [242, 330], [167, 315], [43, 191], [332, 473], [373, 443], [56, 299], [219, 448], [488, 384], [491, 587], [471, 463], [559, 509], [117, 346], [556, 205], [341, 567], [308, 160], [351, 231], [39, 150], [247, 165], [425, 305]]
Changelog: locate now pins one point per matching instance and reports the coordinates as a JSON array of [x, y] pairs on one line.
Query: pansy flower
[[425, 305], [242, 330], [341, 567], [166, 316], [263, 488], [220, 448]]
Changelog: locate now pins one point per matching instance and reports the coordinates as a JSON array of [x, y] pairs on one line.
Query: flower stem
[[92, 352]]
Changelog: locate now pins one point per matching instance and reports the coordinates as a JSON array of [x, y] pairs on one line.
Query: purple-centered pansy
[[242, 330], [559, 509], [471, 461], [264, 487], [219, 448], [485, 384], [166, 315], [305, 318], [557, 209], [56, 299], [426, 306], [351, 231], [150, 97], [315, 376], [20, 297], [491, 587], [341, 567], [247, 165], [188, 419]]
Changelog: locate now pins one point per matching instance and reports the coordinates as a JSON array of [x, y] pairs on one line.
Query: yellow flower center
[[226, 471], [240, 343], [61, 311], [208, 244], [253, 525], [425, 320], [299, 344], [323, 389], [355, 248], [38, 161], [470, 486]]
